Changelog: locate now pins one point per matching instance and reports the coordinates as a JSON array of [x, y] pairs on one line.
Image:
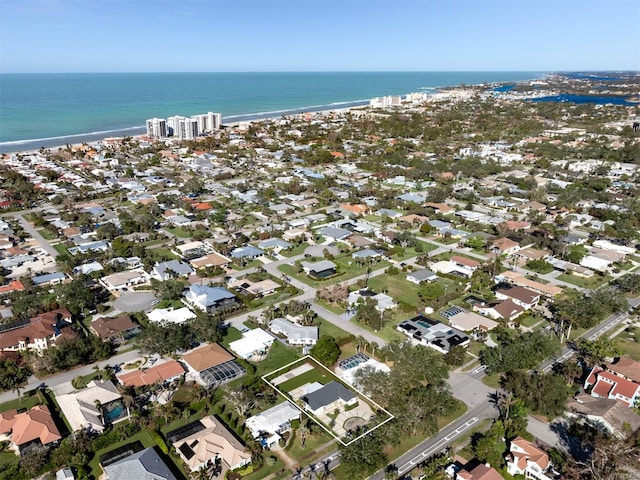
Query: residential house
[[32, 428], [505, 246], [329, 397], [256, 289], [171, 315], [526, 459], [516, 278], [248, 252], [420, 276], [253, 342], [612, 416], [472, 470], [382, 300], [522, 296], [209, 261], [210, 299], [211, 365], [123, 280], [38, 334], [12, 286], [93, 407], [607, 383], [173, 268], [333, 234], [157, 374], [267, 426], [506, 310], [52, 278], [437, 335], [472, 265], [321, 269], [143, 465], [115, 329], [207, 442], [275, 244], [295, 334], [466, 321]]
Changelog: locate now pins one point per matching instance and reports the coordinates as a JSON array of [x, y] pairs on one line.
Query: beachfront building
[[157, 127]]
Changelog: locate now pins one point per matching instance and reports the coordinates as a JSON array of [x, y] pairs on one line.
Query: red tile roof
[[159, 373], [34, 424]]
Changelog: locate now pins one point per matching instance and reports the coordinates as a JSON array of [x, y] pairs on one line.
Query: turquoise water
[[53, 109], [114, 413]]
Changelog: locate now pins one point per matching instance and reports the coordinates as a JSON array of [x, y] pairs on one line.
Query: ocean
[[46, 110]]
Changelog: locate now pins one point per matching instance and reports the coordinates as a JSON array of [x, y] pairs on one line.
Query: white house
[[253, 342], [296, 334], [268, 425]]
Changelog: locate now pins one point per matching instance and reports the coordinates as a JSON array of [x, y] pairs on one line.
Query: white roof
[[270, 420], [170, 315], [350, 374], [251, 342]]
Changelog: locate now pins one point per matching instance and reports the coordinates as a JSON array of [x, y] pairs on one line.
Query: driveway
[[134, 301]]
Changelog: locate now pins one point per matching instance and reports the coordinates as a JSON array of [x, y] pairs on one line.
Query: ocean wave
[[75, 135], [326, 106]]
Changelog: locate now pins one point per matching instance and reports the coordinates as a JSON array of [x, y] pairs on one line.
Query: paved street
[[31, 230]]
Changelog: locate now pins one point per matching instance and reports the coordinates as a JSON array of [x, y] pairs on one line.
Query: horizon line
[[611, 70]]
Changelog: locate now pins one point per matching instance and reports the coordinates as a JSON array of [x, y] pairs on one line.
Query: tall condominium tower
[[157, 127]]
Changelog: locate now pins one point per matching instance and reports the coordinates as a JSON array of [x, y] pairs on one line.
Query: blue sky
[[318, 35]]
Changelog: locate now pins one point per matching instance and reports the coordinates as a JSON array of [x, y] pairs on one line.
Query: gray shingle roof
[[328, 394], [144, 465]]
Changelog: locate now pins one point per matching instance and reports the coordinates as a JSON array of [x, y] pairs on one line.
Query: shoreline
[[51, 143]]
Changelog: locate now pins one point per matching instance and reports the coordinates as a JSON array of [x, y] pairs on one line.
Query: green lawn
[[279, 355], [332, 308], [232, 334], [179, 232], [29, 399], [628, 346], [529, 320], [388, 331], [398, 287], [492, 380], [594, 282], [307, 453], [266, 470], [295, 250], [46, 234], [411, 252], [328, 328], [7, 458], [315, 375], [61, 249], [347, 269]]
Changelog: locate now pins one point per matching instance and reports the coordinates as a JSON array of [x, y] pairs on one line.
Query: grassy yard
[[332, 308], [61, 249], [46, 234], [315, 375], [309, 452], [29, 399], [232, 334], [594, 282], [279, 355], [492, 380], [328, 328], [412, 252], [397, 286], [529, 320], [388, 331], [627, 344], [266, 470], [298, 250], [179, 232], [347, 269]]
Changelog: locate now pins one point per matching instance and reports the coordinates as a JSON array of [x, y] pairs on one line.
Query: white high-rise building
[[157, 127], [187, 128], [214, 121]]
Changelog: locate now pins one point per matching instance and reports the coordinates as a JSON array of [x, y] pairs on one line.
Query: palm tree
[[303, 433]]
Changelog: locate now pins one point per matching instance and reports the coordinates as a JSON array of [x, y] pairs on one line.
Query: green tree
[[326, 350], [364, 456]]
